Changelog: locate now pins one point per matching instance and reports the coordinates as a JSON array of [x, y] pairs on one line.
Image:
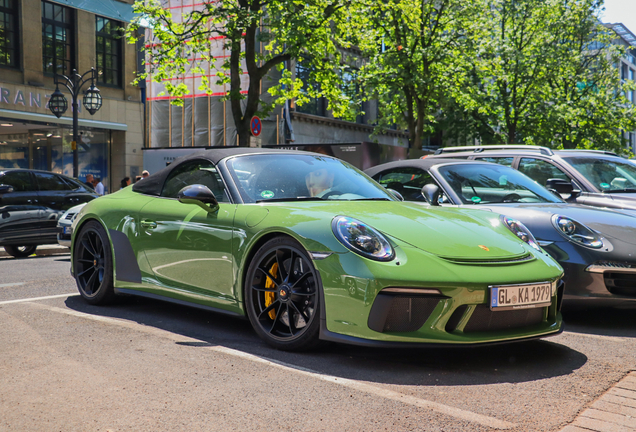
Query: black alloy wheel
[[282, 295], [20, 251], [93, 264]]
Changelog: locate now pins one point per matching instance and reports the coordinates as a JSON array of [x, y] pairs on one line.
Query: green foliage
[[258, 37], [411, 48], [540, 72]]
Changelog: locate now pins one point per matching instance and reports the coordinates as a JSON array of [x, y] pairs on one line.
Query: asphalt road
[[144, 365]]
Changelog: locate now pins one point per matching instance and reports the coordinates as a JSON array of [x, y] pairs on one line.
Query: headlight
[[577, 232], [520, 231], [362, 239]]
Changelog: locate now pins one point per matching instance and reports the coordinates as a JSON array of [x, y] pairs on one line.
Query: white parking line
[[345, 382], [601, 337], [38, 298], [11, 284]]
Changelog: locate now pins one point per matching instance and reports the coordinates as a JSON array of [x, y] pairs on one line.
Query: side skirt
[[138, 293]]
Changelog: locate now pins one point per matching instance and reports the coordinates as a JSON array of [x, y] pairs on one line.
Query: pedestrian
[[89, 181], [99, 186], [145, 174], [137, 178], [125, 182]]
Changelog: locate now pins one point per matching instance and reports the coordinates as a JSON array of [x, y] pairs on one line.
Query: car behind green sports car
[[308, 248]]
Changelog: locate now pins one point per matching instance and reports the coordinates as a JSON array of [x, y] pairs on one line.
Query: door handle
[[145, 223]]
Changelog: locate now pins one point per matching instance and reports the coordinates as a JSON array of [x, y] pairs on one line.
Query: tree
[[545, 73], [410, 48], [288, 29]]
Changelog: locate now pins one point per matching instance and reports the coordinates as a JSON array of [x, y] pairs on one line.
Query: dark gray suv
[[31, 202], [592, 177]]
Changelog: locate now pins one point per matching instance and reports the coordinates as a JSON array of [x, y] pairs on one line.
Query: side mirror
[[5, 189], [199, 195], [559, 185], [395, 194], [431, 193]]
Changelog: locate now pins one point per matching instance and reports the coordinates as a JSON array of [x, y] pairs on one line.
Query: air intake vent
[[620, 283], [400, 314], [484, 320]]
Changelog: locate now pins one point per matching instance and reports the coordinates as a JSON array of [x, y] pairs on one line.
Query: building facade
[[42, 38]]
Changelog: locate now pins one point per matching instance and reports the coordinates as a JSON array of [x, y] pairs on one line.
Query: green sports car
[[309, 248]]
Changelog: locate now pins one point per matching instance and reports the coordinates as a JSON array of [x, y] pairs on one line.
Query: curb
[[44, 250]]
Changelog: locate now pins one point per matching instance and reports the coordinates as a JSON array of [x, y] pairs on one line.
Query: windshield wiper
[[629, 190], [290, 199]]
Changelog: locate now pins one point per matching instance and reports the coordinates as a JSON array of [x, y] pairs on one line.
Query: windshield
[[606, 174], [488, 184], [290, 177]]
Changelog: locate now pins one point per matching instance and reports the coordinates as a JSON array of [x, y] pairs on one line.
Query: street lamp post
[[92, 102]]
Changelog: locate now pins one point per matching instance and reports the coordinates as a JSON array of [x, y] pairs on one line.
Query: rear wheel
[[282, 295], [20, 251], [93, 264]]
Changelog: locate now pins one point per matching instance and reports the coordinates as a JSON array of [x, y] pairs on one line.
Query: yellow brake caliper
[[271, 296]]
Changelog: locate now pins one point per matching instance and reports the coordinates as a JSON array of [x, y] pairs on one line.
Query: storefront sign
[[18, 98]]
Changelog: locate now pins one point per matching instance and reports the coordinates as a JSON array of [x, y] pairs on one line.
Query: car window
[[540, 170], [50, 182], [407, 181], [491, 184], [300, 177], [20, 180], [607, 174], [201, 172], [505, 161]]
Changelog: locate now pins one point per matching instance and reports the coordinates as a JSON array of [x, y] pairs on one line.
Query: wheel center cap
[[284, 292], [95, 262]]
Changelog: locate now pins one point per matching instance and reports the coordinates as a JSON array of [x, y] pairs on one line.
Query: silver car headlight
[[577, 232], [362, 239], [520, 230]]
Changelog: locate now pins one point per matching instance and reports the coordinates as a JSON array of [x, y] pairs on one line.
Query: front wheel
[[93, 264], [282, 295], [20, 251]]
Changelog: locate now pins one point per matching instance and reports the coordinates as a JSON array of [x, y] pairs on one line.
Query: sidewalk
[[615, 411], [43, 250]]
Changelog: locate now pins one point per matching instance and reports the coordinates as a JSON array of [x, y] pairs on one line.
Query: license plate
[[510, 297], [65, 230]]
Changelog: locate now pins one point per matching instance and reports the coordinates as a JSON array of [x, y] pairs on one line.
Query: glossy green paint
[[200, 257]]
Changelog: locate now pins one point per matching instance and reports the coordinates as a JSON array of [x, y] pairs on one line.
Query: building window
[[315, 106], [57, 39], [9, 33], [108, 43], [351, 89]]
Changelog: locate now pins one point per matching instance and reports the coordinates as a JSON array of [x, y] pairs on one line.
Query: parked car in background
[[591, 177], [308, 248], [31, 202], [64, 225], [596, 247]]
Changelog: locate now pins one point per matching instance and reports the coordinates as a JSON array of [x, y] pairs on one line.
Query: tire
[[20, 251], [93, 264], [273, 294]]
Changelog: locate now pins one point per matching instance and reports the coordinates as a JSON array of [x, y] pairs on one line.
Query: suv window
[[51, 182], [540, 170], [607, 174], [196, 172], [20, 180], [506, 161]]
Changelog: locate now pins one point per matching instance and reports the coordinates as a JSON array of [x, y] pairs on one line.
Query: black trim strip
[[125, 260]]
